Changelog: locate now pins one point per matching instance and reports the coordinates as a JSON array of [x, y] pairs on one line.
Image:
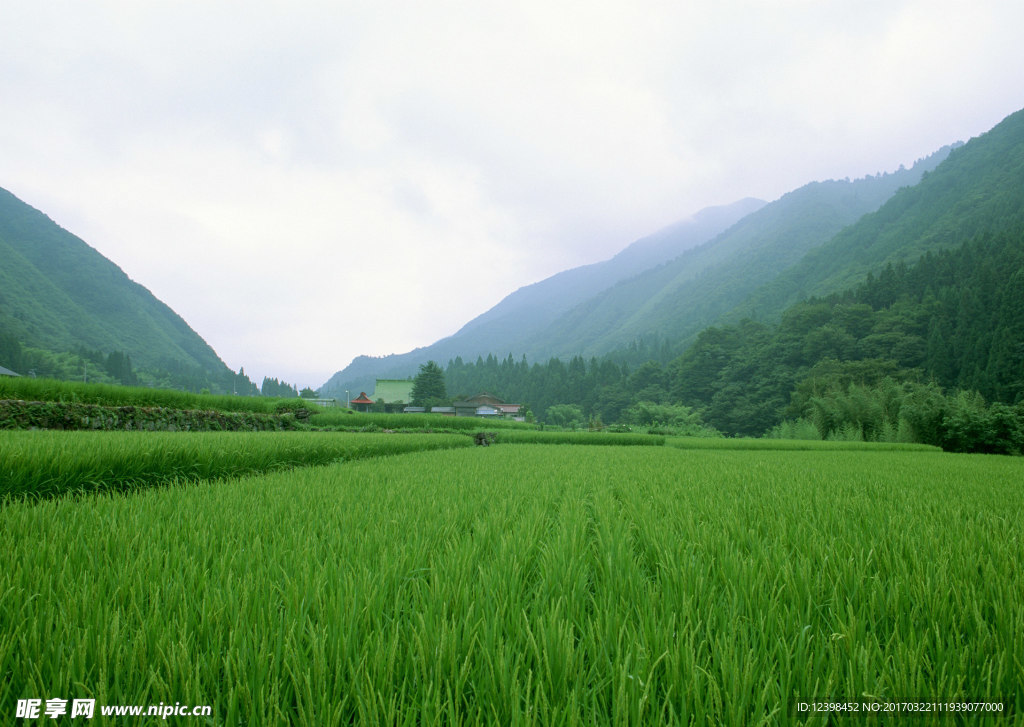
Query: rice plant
[[584, 437], [117, 395], [532, 585], [793, 445], [347, 419], [48, 463]]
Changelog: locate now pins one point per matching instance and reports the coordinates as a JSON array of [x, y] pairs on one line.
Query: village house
[[487, 406], [395, 393]]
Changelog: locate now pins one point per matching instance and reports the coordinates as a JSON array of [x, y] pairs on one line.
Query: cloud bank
[[306, 182]]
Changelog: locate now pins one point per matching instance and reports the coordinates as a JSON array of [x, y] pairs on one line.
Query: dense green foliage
[[46, 463], [833, 407], [567, 416], [280, 389], [539, 585], [116, 367], [955, 319], [676, 419], [594, 387], [17, 414], [428, 387]]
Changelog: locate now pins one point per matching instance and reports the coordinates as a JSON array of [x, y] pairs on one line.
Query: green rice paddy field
[[533, 584]]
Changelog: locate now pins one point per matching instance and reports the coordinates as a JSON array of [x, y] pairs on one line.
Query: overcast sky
[[304, 182]]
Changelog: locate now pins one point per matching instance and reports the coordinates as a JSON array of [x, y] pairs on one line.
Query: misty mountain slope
[[57, 293], [978, 189], [520, 315], [679, 298], [531, 307]]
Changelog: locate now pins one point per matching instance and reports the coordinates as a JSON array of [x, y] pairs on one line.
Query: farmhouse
[[487, 406], [7, 372], [395, 393], [397, 397]]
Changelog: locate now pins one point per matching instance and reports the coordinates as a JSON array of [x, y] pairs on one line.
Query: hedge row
[[16, 414]]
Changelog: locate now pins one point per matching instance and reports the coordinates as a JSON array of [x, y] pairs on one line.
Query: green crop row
[[18, 414], [585, 437], [541, 585], [48, 463], [115, 395], [794, 445], [328, 418]]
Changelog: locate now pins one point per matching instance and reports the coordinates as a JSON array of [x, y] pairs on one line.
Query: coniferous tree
[[428, 388]]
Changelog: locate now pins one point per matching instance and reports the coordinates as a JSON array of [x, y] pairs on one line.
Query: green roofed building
[[393, 391]]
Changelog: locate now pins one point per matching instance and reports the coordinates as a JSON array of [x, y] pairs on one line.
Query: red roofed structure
[[362, 403]]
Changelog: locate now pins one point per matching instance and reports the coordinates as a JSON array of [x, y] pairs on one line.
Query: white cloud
[[308, 182]]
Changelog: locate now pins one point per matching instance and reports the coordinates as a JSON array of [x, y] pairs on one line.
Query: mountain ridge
[[58, 294], [678, 299], [992, 161], [530, 307], [610, 317]]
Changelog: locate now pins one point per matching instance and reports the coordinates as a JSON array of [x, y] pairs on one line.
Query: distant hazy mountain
[[524, 313], [58, 294], [670, 285], [978, 189], [679, 298]]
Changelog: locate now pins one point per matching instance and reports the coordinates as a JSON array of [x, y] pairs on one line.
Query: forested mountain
[[955, 319], [530, 308], [676, 300], [926, 342], [61, 300], [522, 314], [665, 287], [980, 187]]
